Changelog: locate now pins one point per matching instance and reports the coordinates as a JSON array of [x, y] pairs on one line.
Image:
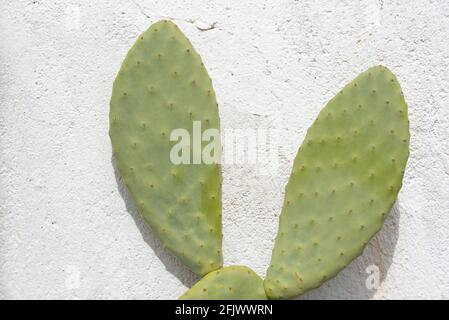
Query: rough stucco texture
[[68, 228]]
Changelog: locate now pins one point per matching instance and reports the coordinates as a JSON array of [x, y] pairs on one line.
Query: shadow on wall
[[172, 264], [364, 276]]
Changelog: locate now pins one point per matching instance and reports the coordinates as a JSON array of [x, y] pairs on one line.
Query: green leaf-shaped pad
[[229, 283], [162, 86], [344, 181]]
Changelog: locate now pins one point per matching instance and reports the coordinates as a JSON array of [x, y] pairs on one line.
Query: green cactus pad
[[344, 181], [229, 283], [161, 86]]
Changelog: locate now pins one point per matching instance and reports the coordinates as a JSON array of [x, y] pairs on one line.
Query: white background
[[69, 230]]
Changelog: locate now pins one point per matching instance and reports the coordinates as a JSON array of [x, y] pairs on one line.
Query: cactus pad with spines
[[229, 283], [344, 181], [163, 85]]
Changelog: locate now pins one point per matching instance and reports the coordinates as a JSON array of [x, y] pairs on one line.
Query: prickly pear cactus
[[229, 283], [344, 180], [161, 86]]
